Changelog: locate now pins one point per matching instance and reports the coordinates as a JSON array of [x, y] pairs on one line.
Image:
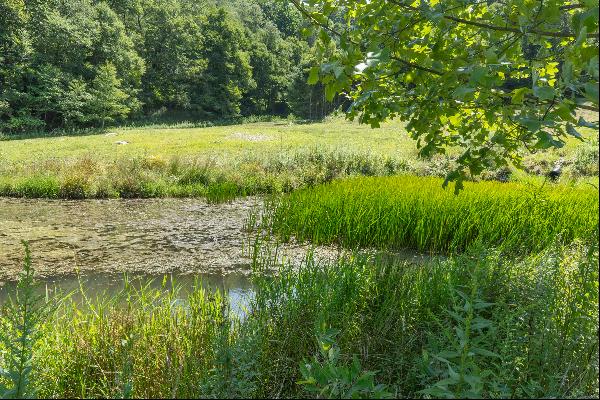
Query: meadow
[[222, 162], [506, 306]]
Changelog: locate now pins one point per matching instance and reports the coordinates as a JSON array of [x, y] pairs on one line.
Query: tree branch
[[507, 28], [417, 66], [516, 30], [304, 12]]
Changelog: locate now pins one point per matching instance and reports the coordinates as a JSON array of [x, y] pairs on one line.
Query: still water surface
[[104, 286], [92, 243], [150, 236]]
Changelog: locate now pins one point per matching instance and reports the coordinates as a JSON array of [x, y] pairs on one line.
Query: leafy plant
[[326, 378], [19, 332], [460, 369], [494, 79]]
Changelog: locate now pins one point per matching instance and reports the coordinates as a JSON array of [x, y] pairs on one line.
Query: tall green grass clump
[[416, 212], [475, 325], [141, 342]]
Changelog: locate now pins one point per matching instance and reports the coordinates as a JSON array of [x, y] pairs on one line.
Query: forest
[[83, 63]]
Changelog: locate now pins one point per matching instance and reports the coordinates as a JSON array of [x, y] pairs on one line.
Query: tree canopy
[[493, 78], [79, 63]]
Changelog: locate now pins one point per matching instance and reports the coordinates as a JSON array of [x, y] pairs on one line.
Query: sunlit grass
[[416, 212], [251, 158]]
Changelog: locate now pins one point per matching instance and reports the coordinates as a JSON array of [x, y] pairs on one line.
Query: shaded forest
[[86, 63]]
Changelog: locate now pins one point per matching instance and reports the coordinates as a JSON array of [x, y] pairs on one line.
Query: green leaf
[[313, 76], [546, 141], [330, 92], [573, 132], [484, 352], [583, 122], [591, 92], [581, 38], [463, 92], [519, 95], [531, 124], [491, 56], [477, 74], [544, 92], [564, 112]]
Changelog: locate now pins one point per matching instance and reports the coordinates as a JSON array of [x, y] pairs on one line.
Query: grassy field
[[226, 161]]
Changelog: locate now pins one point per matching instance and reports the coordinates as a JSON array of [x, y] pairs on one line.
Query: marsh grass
[[209, 177], [416, 212], [478, 324]]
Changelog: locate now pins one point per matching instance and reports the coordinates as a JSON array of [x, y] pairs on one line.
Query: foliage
[[108, 98], [229, 71], [492, 78], [462, 368], [213, 59], [19, 333], [329, 380]]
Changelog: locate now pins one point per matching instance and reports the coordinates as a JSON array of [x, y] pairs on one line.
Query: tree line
[[80, 63]]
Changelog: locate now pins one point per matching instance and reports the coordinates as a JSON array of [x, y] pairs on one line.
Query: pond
[[93, 243], [104, 286], [147, 236]]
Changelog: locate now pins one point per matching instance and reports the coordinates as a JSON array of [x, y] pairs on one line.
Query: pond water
[[149, 236], [93, 243], [96, 286]]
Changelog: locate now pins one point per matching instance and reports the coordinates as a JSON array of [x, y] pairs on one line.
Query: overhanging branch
[[516, 30]]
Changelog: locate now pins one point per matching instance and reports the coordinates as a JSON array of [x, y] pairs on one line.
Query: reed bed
[[416, 212], [214, 178], [476, 325]]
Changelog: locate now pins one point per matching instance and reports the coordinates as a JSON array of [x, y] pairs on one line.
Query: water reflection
[[104, 286]]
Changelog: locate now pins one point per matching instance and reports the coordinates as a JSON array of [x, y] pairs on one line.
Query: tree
[[206, 58], [229, 73], [273, 59], [493, 78], [15, 50], [306, 97], [171, 43], [287, 18], [113, 45], [109, 101]]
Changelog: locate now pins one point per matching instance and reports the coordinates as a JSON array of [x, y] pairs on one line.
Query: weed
[[19, 333]]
